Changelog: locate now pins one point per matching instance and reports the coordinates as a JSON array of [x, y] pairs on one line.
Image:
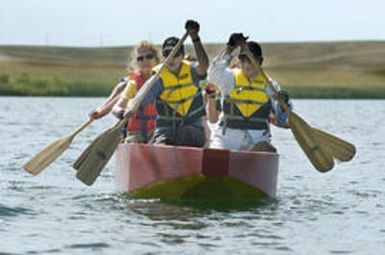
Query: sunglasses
[[165, 53], [243, 58], [147, 57]]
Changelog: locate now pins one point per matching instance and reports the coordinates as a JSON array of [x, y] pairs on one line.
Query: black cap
[[255, 48], [170, 43]]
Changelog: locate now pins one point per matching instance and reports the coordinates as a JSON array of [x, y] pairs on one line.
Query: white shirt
[[222, 76]]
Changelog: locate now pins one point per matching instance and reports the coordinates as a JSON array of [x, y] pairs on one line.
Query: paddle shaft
[[98, 153], [80, 129], [284, 106]]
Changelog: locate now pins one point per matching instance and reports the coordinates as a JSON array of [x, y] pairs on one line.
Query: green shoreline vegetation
[[354, 69]]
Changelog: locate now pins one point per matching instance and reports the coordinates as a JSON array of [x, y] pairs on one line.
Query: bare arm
[[192, 28], [212, 112], [203, 60], [108, 104], [209, 97]]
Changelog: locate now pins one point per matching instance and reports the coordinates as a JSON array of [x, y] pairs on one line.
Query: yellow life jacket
[[247, 106], [179, 90], [248, 96]]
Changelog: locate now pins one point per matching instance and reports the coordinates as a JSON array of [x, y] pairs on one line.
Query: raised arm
[[192, 28]]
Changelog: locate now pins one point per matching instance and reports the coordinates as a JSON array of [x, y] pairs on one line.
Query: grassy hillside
[[321, 70]]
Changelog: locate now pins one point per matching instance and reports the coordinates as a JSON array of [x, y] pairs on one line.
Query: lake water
[[339, 212]]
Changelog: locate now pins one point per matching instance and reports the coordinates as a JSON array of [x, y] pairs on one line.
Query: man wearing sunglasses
[[248, 104], [178, 96]]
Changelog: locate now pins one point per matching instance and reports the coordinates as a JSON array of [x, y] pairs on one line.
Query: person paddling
[[140, 126], [248, 104], [178, 96]]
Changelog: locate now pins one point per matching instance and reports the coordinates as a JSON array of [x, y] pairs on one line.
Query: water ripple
[[340, 212], [6, 211], [92, 246]]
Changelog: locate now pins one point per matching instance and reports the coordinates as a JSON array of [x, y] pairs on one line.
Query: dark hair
[[170, 43], [255, 48]]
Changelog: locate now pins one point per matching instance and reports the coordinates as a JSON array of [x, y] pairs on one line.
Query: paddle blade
[[317, 155], [84, 155], [337, 147], [45, 157], [76, 165], [97, 155]]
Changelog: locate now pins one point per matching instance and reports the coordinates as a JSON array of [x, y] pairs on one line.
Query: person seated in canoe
[[178, 96], [107, 106], [140, 126], [248, 103]]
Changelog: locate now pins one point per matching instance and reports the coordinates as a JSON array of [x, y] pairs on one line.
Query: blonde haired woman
[[108, 104], [140, 126]]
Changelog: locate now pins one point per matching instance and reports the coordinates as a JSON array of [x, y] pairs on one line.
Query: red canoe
[[148, 171]]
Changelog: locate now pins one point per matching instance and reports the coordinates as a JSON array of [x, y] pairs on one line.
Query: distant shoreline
[[295, 92], [341, 69], [206, 43]]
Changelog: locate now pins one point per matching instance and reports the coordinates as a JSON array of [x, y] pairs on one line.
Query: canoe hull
[[147, 171]]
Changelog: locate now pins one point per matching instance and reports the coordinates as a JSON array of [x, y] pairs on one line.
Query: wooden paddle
[[51, 152], [319, 146], [340, 150], [98, 153], [83, 156]]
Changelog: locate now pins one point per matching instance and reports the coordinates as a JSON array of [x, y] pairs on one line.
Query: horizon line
[[130, 45]]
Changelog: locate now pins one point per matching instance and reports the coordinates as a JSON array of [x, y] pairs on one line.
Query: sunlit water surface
[[340, 212]]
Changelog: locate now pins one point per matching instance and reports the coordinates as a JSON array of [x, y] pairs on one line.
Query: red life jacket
[[145, 117]]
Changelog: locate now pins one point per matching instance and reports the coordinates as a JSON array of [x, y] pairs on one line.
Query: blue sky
[[124, 22]]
